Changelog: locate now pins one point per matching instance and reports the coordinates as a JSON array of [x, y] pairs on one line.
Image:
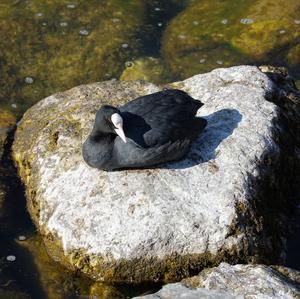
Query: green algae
[[47, 46]]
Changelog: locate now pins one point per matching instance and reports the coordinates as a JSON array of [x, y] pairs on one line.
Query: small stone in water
[[14, 106], [83, 32], [124, 46], [224, 21], [129, 64], [39, 14], [157, 8], [22, 238], [219, 62], [11, 258], [202, 60], [181, 36], [28, 80], [116, 20], [44, 23], [282, 31], [63, 24], [195, 23], [159, 24], [297, 22], [246, 21], [71, 6]]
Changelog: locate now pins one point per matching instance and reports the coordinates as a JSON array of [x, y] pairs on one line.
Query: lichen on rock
[[223, 202]]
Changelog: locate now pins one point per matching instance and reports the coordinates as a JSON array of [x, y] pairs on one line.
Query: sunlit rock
[[235, 282], [179, 291], [224, 202], [147, 69], [37, 44], [266, 33]]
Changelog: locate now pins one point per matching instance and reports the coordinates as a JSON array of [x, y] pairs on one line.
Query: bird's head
[[109, 120]]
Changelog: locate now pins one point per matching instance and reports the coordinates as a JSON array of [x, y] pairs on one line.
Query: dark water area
[[50, 46], [293, 242]]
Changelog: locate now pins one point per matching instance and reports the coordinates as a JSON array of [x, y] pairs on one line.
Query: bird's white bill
[[117, 121], [121, 133]]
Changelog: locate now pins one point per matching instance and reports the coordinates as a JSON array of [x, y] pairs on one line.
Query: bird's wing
[[130, 155], [162, 106], [169, 115]]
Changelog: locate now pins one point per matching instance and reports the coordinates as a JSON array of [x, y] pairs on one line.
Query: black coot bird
[[149, 130]]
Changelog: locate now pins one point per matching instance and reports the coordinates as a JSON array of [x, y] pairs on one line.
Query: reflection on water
[[51, 45]]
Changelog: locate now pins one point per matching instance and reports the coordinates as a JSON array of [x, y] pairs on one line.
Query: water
[[52, 45]]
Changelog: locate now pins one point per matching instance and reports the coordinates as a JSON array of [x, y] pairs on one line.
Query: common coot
[[147, 131]]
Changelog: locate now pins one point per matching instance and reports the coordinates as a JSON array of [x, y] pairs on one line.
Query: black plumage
[[158, 127]]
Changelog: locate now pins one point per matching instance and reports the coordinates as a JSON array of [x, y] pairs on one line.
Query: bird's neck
[[97, 149], [98, 135]]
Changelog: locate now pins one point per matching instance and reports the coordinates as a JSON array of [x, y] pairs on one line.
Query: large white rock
[[239, 281], [159, 223]]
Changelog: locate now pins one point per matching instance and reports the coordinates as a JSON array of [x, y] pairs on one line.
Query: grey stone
[[249, 281], [179, 290], [239, 281], [220, 203]]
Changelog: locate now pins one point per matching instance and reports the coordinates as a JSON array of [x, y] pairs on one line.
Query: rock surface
[[239, 281], [179, 290], [221, 203]]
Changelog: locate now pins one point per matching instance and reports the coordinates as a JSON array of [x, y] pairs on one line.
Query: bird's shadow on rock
[[220, 125]]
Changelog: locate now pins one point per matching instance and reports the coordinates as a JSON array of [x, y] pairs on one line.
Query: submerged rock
[[273, 30], [46, 45], [148, 69], [239, 281], [208, 31], [13, 294], [223, 202]]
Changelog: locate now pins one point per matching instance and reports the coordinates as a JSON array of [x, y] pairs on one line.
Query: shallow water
[[52, 45]]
